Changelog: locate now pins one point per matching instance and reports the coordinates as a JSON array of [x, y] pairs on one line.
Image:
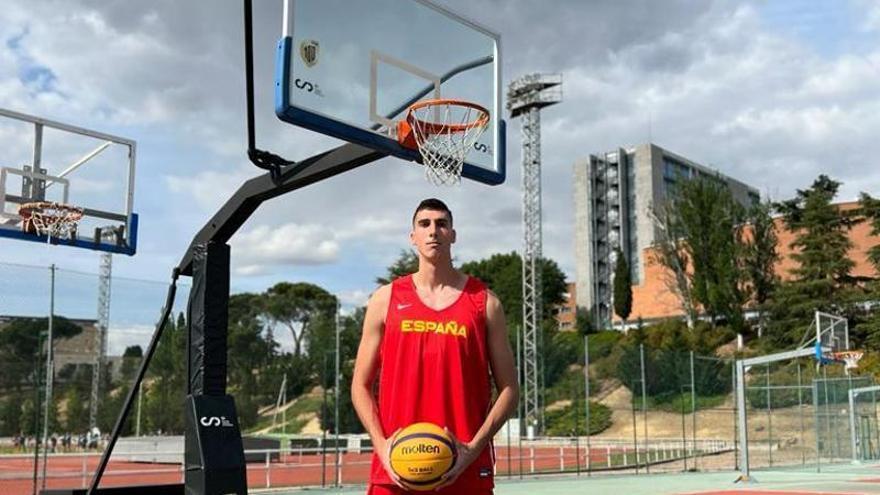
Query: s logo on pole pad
[[216, 421]]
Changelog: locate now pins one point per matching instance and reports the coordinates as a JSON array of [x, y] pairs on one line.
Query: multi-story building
[[614, 193]]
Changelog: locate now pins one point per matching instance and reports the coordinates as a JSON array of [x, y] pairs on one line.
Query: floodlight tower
[[526, 97], [101, 334]]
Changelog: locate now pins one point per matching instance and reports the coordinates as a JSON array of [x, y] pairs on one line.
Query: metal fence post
[[801, 412], [268, 476], [769, 421], [735, 436], [644, 410], [694, 413], [50, 375], [587, 396]]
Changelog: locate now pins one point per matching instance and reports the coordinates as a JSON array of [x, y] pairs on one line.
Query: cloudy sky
[[769, 92]]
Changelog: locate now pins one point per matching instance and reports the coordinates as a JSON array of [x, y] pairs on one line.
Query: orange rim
[[437, 128], [26, 210]]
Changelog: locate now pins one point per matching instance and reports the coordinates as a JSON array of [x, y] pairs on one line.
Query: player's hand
[[465, 455], [383, 450]]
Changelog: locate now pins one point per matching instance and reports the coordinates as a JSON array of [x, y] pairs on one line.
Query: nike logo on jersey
[[403, 306]]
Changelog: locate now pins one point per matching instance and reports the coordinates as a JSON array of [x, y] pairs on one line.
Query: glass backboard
[[53, 162], [350, 69]]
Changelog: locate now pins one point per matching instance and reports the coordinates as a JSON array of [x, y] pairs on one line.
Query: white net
[[851, 358], [50, 219], [445, 131]]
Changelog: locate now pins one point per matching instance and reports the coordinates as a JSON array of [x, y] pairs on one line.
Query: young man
[[432, 338]]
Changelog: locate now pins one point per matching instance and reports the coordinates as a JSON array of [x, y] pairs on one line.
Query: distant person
[[432, 338]]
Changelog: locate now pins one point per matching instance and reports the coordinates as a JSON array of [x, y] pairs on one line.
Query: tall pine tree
[[869, 328], [623, 297], [821, 279]]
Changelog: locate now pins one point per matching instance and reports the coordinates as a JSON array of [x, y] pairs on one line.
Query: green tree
[[503, 274], [584, 321], [821, 241], [761, 256], [623, 297], [131, 360], [822, 278], [869, 327], [407, 262], [296, 306], [77, 398], [249, 352], [165, 383], [22, 350], [711, 222], [871, 210], [670, 254]]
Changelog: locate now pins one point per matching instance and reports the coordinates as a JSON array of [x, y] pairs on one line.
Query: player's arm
[[503, 367], [366, 367]]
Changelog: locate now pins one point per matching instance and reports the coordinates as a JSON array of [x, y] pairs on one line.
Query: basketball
[[420, 454]]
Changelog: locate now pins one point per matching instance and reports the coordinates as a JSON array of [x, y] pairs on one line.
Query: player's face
[[432, 234]]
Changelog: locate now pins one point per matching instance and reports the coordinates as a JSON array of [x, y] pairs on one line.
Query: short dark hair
[[432, 204]]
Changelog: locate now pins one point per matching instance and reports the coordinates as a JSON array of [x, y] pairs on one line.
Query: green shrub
[[564, 421]]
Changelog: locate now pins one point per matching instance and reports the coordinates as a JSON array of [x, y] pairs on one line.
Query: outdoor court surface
[[836, 480], [839, 479]]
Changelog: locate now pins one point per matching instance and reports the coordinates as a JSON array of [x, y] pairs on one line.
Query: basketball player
[[432, 338]]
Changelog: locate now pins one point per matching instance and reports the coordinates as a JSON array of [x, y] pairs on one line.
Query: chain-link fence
[[60, 395], [646, 402], [651, 408], [865, 434]]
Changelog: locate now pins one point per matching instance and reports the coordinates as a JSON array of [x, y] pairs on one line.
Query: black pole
[[129, 400], [324, 423], [249, 71], [38, 355]]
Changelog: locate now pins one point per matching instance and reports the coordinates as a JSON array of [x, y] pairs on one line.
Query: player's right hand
[[383, 450]]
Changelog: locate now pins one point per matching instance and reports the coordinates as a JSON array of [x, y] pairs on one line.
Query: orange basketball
[[420, 454]]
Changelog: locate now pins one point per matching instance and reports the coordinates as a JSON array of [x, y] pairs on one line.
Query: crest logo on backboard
[[308, 51]]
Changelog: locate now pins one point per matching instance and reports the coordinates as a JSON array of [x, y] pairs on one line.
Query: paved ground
[[835, 480]]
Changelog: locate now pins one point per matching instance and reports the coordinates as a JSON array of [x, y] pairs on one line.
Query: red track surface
[[69, 471]]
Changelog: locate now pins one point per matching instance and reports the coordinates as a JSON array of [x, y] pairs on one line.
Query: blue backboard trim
[[129, 250], [319, 123]]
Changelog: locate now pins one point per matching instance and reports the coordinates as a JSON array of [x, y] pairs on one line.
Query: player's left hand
[[466, 454]]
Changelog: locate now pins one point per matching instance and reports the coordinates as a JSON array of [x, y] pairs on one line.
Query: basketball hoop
[[50, 219], [444, 131], [851, 358]]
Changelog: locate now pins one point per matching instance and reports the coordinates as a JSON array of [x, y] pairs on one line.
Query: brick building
[[613, 193], [652, 300]]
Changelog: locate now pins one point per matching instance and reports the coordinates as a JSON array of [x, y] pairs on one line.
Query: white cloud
[[871, 19], [710, 80], [289, 244], [118, 338], [356, 298]]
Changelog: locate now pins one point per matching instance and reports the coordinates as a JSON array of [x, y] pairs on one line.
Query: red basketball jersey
[[435, 368]]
